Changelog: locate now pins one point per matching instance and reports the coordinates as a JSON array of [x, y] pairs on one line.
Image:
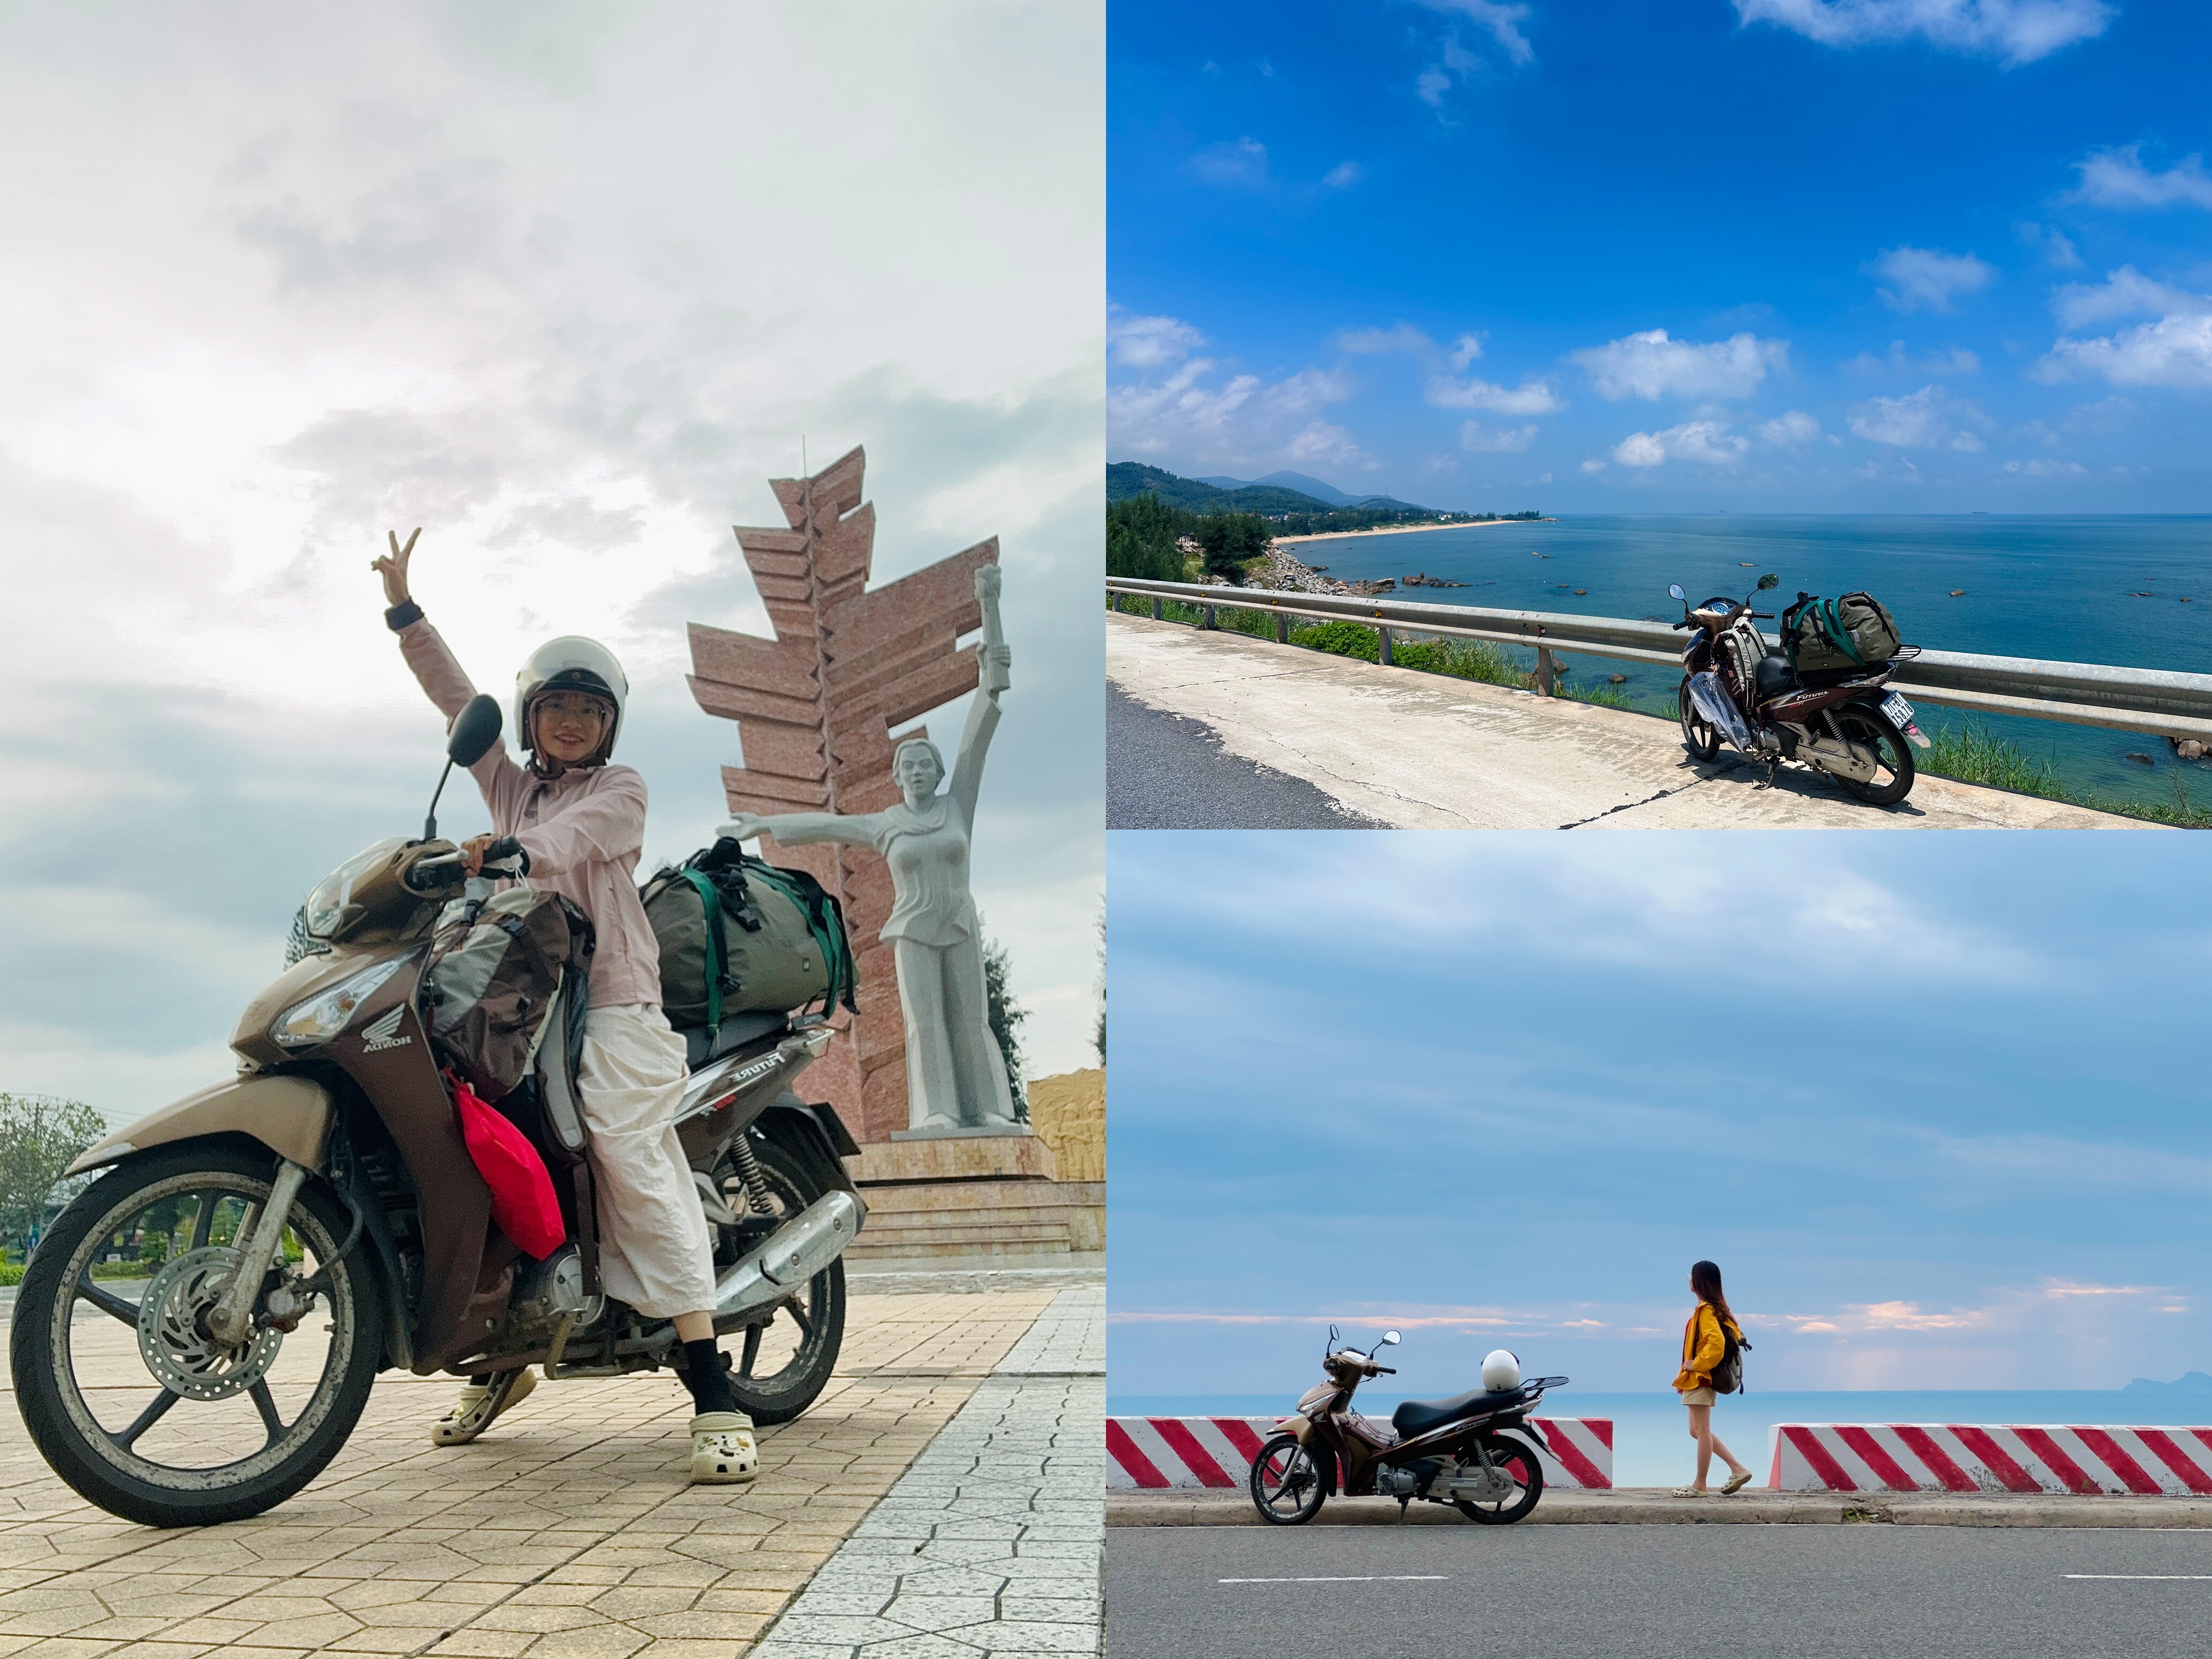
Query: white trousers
[[955, 1074], [654, 1252]]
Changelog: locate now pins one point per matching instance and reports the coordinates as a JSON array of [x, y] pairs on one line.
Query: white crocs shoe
[[722, 1449], [478, 1407]]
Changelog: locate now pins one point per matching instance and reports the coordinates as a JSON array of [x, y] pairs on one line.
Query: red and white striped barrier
[[1989, 1457], [1173, 1453]]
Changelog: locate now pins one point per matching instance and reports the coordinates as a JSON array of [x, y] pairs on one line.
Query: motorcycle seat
[[1773, 677], [735, 1033], [1420, 1416]]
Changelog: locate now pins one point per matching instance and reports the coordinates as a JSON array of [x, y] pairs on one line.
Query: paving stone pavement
[[566, 1533], [991, 1543]]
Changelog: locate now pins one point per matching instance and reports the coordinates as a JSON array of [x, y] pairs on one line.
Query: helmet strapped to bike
[[571, 663]]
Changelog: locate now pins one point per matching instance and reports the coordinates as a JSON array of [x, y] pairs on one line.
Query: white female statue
[[955, 1077]]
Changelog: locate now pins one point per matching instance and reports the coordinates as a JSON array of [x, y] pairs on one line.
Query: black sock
[[704, 1375], [482, 1379]]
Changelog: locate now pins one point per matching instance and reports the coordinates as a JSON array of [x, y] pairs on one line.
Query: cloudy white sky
[[1935, 1103], [564, 285]]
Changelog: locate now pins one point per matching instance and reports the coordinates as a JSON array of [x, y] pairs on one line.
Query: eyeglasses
[[568, 706]]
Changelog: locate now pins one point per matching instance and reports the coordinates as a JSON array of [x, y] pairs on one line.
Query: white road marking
[[2148, 1577], [1376, 1578]]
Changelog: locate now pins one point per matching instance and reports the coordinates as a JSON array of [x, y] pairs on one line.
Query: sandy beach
[[1400, 530]]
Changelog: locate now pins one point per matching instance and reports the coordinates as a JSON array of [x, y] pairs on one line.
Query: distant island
[[1288, 511], [2188, 1382]]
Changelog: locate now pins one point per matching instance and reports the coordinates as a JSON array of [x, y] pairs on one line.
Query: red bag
[[522, 1201]]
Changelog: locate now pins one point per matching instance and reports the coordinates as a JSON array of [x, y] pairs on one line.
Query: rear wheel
[[1521, 1468], [1699, 736], [782, 1364], [1287, 1484], [122, 1390], [1894, 770]]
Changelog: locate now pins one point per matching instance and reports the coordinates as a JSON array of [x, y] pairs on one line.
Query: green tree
[[1140, 539], [1006, 1016], [39, 1137], [1230, 540]]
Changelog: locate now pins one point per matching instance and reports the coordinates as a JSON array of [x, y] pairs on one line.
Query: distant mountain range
[[1279, 492], [2188, 1382]]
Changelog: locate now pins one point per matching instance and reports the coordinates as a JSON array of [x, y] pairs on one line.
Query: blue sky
[[1935, 1103], [1819, 255]]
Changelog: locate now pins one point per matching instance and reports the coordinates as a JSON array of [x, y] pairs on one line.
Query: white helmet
[[570, 663], [1501, 1372]]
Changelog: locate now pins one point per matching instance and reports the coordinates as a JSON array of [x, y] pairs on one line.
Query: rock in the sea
[[1618, 679], [2142, 759], [2187, 748], [1958, 593], [1582, 592]]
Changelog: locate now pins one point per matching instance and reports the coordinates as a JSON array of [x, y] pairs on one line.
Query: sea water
[[2095, 590], [1651, 1444]]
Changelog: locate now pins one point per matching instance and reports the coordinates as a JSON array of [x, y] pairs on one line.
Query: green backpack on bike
[[740, 935], [1826, 636]]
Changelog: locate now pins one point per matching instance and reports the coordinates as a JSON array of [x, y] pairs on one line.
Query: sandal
[[1736, 1482], [1693, 1491], [478, 1408], [723, 1452]]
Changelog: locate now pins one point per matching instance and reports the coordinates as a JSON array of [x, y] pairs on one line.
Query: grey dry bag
[[738, 935]]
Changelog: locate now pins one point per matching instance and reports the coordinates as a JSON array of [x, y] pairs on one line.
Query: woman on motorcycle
[[1703, 1347], [581, 824]]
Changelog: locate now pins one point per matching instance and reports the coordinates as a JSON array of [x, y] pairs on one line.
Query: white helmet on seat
[[1501, 1372], [570, 663]]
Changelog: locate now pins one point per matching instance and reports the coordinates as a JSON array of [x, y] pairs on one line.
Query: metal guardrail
[[2157, 702]]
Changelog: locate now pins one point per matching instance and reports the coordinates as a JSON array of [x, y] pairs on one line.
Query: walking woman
[[1705, 1342]]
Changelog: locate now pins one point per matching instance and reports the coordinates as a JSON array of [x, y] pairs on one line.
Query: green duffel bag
[[1825, 636], [740, 935]]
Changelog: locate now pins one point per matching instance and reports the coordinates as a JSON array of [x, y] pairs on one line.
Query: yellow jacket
[[1702, 1348]]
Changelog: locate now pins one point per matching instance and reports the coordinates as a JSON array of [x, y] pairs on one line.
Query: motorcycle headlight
[[329, 1012]]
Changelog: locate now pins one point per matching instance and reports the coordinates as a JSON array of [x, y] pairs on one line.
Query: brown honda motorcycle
[[317, 1219], [1735, 686], [1476, 1451]]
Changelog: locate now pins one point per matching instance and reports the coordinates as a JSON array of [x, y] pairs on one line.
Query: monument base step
[[942, 1219]]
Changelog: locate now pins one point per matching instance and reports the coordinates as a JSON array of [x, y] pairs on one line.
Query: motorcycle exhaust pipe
[[790, 1256], [1719, 710]]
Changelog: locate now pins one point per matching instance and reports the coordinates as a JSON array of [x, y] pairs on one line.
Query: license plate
[[1899, 710]]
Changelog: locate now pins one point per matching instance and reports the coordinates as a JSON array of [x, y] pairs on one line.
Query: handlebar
[[1764, 615], [1385, 1371]]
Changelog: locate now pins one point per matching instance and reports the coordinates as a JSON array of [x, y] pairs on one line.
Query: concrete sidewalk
[[1647, 1505], [1421, 751], [568, 1532]]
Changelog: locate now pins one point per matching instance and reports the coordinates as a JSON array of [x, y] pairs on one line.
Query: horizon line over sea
[[2128, 589]]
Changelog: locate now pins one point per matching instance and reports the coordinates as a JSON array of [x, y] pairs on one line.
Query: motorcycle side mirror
[[1674, 591], [474, 731], [1769, 579], [476, 728], [1389, 1339]]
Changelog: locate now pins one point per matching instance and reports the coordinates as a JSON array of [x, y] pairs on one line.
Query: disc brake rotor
[[173, 1334]]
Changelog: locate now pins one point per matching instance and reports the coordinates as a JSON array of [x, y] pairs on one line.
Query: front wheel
[[1522, 1469], [1894, 770], [783, 1362], [1699, 736], [1287, 1484], [104, 1358]]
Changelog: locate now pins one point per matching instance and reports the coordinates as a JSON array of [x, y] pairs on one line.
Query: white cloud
[[1650, 365], [1374, 342], [1593, 465], [1930, 418], [1503, 22], [1790, 430], [2017, 30], [1955, 361], [1495, 440], [2041, 469], [1202, 413], [1344, 175], [1319, 441], [2057, 248], [1149, 341], [1465, 350], [2116, 177], [1529, 398], [1241, 163], [1430, 85], [1707, 441], [2172, 351], [1929, 279], [2123, 292]]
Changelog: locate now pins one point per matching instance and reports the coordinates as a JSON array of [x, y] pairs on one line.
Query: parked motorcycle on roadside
[[1476, 1451], [1736, 686], [329, 1181]]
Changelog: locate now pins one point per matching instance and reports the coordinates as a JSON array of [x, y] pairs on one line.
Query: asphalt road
[[1163, 772], [1563, 1592]]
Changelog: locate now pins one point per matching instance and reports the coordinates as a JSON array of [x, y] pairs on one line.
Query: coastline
[[1401, 530]]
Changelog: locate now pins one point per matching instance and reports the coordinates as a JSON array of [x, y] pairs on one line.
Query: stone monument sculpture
[[956, 1076]]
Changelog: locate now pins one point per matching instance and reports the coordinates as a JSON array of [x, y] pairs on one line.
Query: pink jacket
[[583, 830]]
